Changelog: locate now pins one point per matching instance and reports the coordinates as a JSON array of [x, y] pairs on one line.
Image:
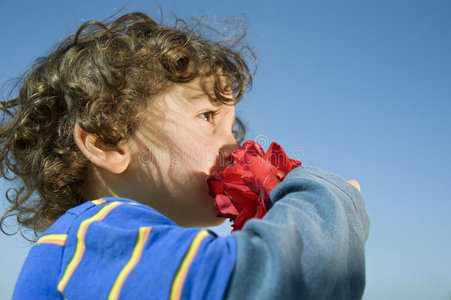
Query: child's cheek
[[212, 160], [200, 158]]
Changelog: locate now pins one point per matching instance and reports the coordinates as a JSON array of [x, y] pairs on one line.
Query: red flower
[[242, 190]]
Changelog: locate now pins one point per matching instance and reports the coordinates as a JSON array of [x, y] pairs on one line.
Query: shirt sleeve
[[310, 244]]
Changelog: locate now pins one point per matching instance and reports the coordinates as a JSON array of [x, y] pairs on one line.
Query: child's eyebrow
[[202, 97], [199, 97]]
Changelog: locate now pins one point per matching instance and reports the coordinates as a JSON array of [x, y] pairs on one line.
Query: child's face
[[182, 139]]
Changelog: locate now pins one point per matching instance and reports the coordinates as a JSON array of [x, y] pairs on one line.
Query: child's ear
[[113, 159]]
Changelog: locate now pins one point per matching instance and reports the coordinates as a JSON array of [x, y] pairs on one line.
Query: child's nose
[[230, 145], [226, 151]]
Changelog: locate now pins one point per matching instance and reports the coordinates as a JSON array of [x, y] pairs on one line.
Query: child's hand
[[354, 183]]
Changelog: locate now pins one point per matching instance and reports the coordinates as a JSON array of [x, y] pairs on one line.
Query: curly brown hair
[[100, 78]]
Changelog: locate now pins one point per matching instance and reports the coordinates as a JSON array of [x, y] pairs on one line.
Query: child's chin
[[210, 221], [217, 221]]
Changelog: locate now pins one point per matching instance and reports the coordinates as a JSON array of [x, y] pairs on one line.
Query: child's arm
[[310, 245]]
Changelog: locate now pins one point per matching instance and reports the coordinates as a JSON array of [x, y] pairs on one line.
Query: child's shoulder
[[117, 212], [117, 222]]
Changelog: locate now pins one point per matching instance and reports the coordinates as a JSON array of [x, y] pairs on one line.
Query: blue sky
[[358, 88]]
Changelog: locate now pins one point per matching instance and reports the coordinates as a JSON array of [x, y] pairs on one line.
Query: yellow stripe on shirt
[[179, 279], [136, 256], [98, 201], [56, 239], [80, 248]]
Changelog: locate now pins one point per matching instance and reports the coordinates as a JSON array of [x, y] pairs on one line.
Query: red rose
[[242, 190]]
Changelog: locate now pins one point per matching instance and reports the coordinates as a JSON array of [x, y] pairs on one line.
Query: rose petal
[[225, 207], [214, 186]]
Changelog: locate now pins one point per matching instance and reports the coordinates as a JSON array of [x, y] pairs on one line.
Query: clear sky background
[[359, 88]]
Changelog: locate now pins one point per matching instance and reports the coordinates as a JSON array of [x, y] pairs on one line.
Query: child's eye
[[208, 116]]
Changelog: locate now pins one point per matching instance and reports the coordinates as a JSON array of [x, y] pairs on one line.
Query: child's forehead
[[197, 92], [186, 100]]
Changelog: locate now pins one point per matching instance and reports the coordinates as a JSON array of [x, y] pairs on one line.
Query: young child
[[112, 136]]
